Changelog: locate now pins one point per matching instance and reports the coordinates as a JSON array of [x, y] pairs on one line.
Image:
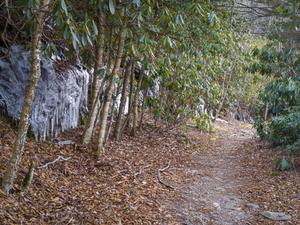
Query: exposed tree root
[[159, 177], [59, 158]]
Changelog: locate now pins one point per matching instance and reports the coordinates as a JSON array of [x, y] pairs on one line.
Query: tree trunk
[[29, 176], [224, 95], [266, 111], [108, 94], [98, 104], [222, 99], [143, 109], [135, 103], [162, 96], [87, 136], [130, 98], [112, 112], [110, 54], [18, 147], [98, 58], [117, 131]]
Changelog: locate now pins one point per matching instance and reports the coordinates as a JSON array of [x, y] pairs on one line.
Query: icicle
[[59, 100]]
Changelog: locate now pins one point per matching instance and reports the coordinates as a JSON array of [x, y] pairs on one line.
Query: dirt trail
[[209, 191]]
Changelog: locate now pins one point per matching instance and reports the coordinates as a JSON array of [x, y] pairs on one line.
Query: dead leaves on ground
[[119, 188], [122, 187]]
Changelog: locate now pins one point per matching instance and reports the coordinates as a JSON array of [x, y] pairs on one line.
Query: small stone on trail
[[252, 206], [277, 216], [67, 142], [217, 205], [220, 189], [221, 120]]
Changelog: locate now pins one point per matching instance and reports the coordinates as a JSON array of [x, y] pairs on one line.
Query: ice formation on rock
[[60, 98]]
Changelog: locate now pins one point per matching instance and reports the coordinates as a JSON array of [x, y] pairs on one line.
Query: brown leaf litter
[[213, 176]]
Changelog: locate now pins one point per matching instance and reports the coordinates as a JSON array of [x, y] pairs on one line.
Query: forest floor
[[162, 176]]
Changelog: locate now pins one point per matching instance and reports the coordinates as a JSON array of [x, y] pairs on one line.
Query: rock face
[[60, 97]]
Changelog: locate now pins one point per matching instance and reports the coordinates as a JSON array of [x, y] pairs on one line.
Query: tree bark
[[112, 112], [87, 136], [108, 94], [18, 147], [117, 131], [29, 176], [135, 103], [162, 103], [98, 105], [143, 109], [130, 98], [98, 58], [266, 111], [224, 95]]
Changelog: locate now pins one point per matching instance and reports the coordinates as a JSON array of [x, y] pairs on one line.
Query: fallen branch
[[159, 178], [59, 158]]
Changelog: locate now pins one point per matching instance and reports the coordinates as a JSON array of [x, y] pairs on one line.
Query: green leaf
[[196, 8], [75, 46], [213, 19], [137, 2], [101, 72], [150, 52], [83, 40], [87, 30], [142, 39], [75, 41], [95, 29], [132, 50], [111, 6], [66, 33], [179, 20], [55, 7], [88, 39], [63, 6]]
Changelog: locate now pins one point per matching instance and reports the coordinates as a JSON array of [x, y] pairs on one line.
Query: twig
[[160, 180], [142, 170], [59, 158]]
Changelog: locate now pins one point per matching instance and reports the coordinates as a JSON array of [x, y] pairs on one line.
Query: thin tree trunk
[[18, 147], [108, 94], [223, 96], [98, 105], [29, 176], [266, 111], [87, 136], [112, 112], [162, 104], [99, 58], [130, 98], [222, 99], [110, 50], [106, 78], [135, 103], [118, 127], [143, 109]]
